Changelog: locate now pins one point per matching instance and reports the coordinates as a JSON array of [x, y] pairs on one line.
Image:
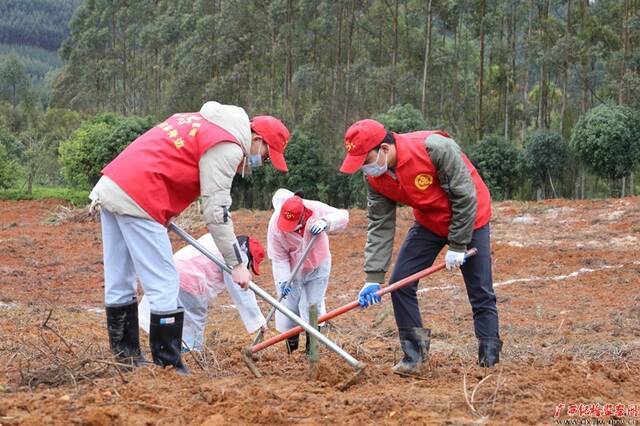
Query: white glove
[[94, 207], [454, 259], [318, 227]]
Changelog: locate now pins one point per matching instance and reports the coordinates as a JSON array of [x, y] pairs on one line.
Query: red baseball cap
[[361, 137], [255, 252], [290, 213], [276, 135]]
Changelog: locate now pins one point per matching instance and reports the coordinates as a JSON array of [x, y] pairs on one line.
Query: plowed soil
[[567, 277]]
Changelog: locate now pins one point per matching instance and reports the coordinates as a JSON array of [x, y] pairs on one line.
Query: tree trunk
[[442, 81], [631, 184], [272, 79], [506, 83], [338, 58], [565, 75], [427, 60], [480, 123], [394, 55], [543, 102], [553, 188], [624, 186], [456, 64], [525, 86], [289, 54], [347, 91], [625, 52], [584, 6], [30, 181]]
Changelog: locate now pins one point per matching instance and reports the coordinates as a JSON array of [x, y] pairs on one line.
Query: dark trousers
[[419, 251]]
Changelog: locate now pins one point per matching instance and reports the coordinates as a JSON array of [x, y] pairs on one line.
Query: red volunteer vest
[[160, 170], [417, 185]]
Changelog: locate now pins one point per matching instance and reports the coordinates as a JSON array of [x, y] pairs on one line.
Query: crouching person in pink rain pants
[[293, 223], [201, 281]]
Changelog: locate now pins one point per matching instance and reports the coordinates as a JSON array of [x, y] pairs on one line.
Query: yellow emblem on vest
[[423, 181]]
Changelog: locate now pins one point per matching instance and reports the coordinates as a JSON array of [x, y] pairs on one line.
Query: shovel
[[305, 253], [357, 365]]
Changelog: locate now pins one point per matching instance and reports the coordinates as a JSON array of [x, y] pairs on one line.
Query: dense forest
[[33, 31], [36, 23], [509, 79]]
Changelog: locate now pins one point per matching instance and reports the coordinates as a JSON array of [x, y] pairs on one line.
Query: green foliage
[[8, 169], [497, 162], [97, 142], [12, 146], [545, 156], [76, 197], [14, 82], [402, 119], [607, 138]]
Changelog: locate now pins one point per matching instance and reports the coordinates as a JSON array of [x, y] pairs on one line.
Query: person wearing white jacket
[[201, 281], [292, 225], [155, 178]]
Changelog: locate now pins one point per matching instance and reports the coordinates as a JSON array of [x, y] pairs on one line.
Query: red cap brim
[[255, 267], [352, 163], [277, 159], [287, 225]]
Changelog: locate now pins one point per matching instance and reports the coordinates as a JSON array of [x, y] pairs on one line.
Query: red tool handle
[[350, 306]]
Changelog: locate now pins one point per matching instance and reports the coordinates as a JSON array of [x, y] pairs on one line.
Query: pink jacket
[[285, 248], [198, 274]]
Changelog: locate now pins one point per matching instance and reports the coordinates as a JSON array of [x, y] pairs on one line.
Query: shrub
[[8, 169], [607, 138], [497, 161], [402, 119], [97, 142], [545, 157]]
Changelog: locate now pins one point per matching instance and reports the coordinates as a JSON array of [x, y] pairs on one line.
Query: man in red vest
[[151, 182], [427, 171]]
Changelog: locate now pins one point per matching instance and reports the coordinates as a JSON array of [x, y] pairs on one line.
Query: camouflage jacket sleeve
[[381, 231], [455, 180]]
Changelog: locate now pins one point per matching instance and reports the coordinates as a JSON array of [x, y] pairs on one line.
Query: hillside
[[34, 30]]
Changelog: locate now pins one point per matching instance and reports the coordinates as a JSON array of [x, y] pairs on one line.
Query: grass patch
[[77, 197]]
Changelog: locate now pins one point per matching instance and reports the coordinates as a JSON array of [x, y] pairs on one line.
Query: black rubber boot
[[489, 349], [292, 343], [415, 344], [124, 340], [165, 339]]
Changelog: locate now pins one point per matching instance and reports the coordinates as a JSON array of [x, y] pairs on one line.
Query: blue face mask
[[255, 160], [374, 169]]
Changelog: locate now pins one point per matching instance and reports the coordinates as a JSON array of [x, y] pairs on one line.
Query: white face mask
[[374, 169]]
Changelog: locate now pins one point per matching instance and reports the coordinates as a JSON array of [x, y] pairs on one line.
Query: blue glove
[[283, 288], [368, 296], [318, 227]]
